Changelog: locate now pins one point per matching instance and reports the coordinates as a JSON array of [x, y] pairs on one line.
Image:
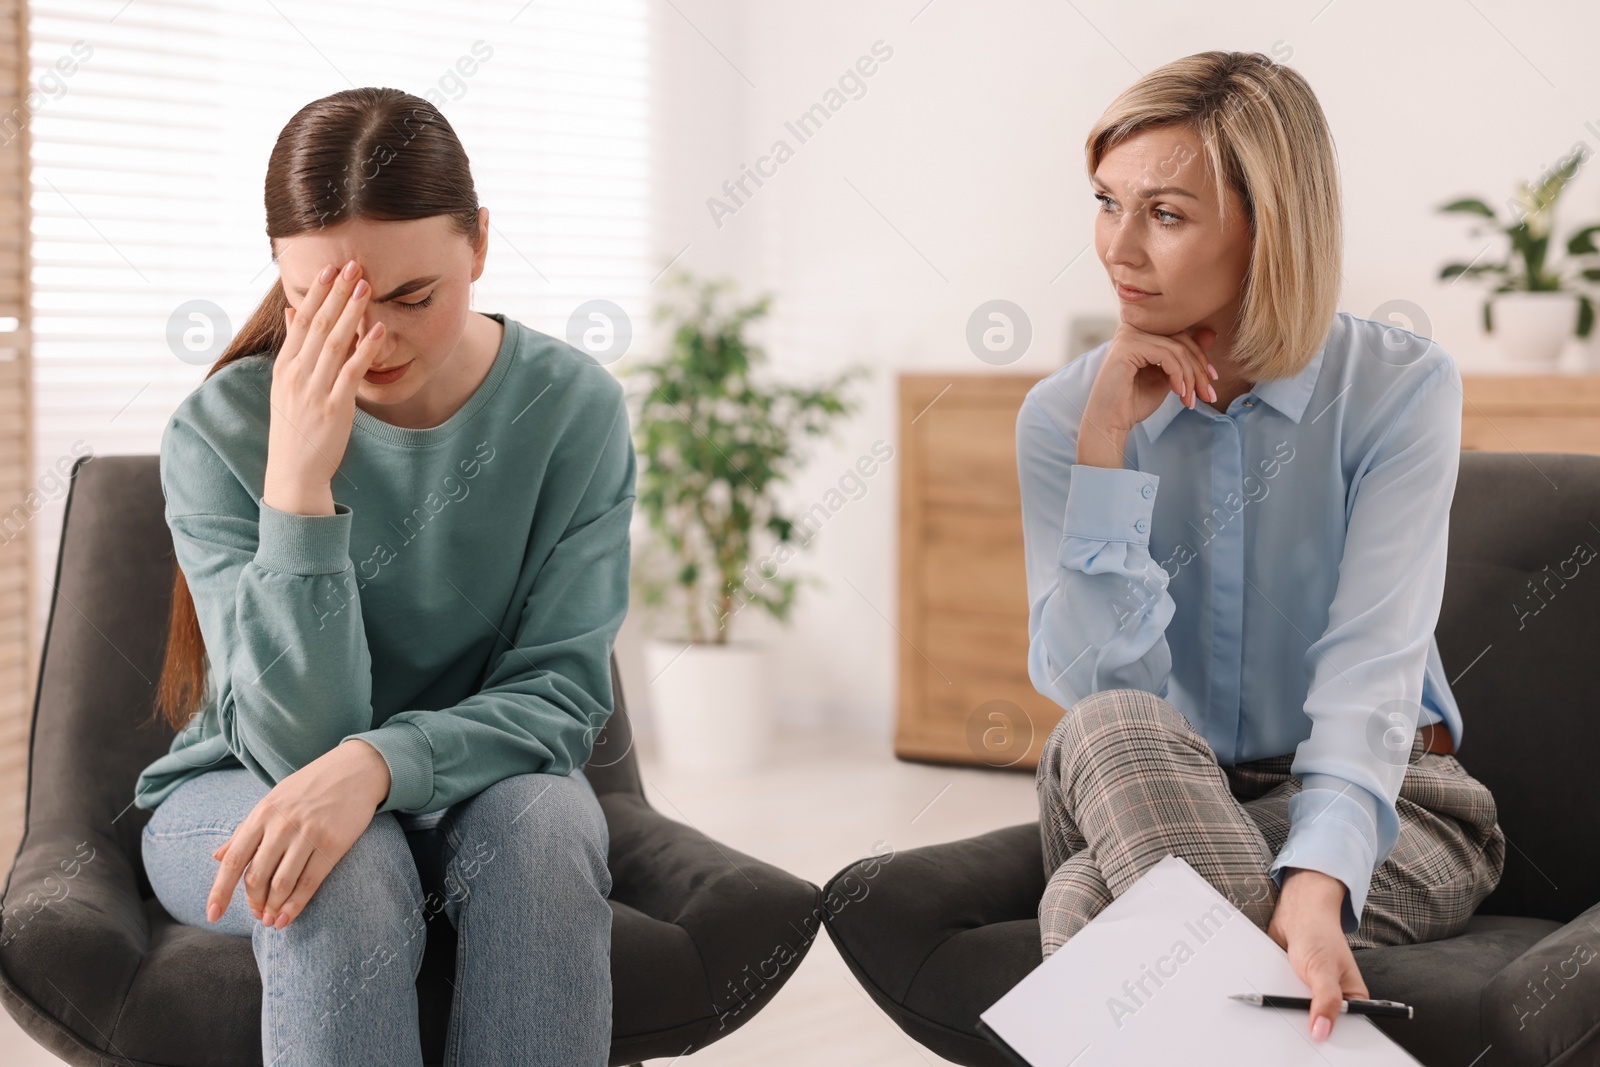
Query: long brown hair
[[364, 153]]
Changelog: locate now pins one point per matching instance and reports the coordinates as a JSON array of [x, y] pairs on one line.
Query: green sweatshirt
[[457, 611]]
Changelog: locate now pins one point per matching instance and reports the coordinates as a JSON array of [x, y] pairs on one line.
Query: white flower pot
[[712, 706], [1533, 328]]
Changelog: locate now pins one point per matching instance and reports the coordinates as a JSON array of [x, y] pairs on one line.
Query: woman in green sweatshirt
[[401, 530]]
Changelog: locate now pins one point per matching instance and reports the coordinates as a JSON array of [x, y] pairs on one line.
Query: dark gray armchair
[[93, 967], [946, 930]]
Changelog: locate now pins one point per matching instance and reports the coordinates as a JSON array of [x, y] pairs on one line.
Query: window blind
[[148, 167], [16, 462]]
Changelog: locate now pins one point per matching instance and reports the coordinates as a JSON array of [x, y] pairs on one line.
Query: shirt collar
[[1288, 395]]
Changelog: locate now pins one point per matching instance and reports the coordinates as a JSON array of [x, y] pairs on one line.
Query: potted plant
[[714, 443], [1533, 308]]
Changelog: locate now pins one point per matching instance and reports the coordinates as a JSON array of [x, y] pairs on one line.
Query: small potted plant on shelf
[[714, 443], [1534, 307]]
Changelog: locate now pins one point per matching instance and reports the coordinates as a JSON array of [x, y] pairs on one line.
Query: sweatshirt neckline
[[408, 437]]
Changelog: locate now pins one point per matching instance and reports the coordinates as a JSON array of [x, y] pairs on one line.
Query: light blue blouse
[[1274, 571]]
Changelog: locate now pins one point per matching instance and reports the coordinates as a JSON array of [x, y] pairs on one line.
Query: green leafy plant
[[1524, 267], [714, 443]]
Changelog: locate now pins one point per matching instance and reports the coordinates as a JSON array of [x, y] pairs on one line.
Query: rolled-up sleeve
[[1098, 603], [1367, 667]]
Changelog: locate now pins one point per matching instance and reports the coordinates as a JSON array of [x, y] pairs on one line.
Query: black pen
[[1351, 1006]]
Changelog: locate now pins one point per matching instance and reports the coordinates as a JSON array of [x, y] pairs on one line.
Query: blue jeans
[[519, 868]]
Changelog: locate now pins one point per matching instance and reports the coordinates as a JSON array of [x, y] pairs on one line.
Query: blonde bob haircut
[[1262, 130]]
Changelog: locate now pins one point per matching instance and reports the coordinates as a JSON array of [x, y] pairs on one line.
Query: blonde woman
[[1235, 521]]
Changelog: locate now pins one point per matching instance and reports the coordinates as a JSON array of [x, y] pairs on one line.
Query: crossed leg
[[1125, 779]]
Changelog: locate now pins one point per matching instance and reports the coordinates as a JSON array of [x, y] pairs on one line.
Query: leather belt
[[1436, 738]]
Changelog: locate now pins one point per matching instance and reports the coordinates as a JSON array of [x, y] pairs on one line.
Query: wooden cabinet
[[1547, 413], [964, 692]]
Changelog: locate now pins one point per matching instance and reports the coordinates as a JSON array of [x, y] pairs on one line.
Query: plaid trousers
[[1125, 779]]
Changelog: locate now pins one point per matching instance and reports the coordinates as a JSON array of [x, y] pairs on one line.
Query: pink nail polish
[[1321, 1028]]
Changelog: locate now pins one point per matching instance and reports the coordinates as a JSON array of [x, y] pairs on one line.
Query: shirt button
[[1147, 492], [1249, 403], [1141, 526]]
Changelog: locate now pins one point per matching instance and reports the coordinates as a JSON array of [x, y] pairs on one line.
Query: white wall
[[958, 177]]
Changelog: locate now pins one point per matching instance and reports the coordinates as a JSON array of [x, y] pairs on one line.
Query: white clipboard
[[1148, 979]]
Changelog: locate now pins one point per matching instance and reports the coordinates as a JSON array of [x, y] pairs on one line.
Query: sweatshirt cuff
[[1334, 833], [303, 544], [1110, 504], [405, 748]]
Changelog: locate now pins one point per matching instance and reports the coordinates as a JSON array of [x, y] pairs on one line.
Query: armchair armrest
[[1546, 1003], [922, 897], [745, 917], [72, 933]]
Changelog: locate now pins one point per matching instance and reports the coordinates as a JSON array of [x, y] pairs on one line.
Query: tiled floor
[[821, 802]]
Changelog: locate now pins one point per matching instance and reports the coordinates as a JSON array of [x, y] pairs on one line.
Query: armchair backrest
[[103, 650], [1519, 625], [1519, 631]]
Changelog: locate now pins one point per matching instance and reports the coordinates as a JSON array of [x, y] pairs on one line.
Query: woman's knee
[[1112, 711], [177, 843], [540, 822], [369, 905]]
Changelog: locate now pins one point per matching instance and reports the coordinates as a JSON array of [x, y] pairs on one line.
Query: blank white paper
[[1147, 981]]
